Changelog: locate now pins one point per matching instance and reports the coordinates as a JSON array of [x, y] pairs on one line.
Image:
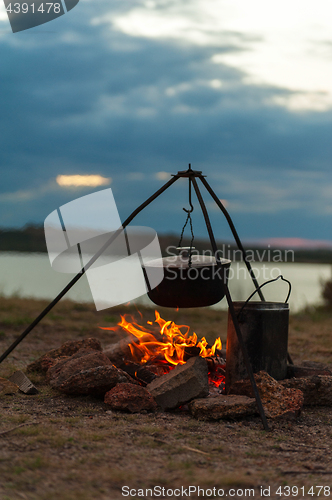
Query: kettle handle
[[266, 283]]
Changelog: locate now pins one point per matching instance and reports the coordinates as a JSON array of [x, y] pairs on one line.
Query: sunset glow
[[82, 180]]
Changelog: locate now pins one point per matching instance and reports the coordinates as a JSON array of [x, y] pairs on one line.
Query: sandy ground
[[76, 448]]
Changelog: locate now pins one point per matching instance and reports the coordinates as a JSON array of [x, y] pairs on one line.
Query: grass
[[78, 450]]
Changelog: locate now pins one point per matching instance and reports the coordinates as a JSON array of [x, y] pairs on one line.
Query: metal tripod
[[192, 175]]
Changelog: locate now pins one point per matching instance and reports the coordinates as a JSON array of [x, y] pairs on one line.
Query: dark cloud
[[89, 99]]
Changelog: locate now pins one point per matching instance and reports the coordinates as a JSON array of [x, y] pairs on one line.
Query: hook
[[191, 205]]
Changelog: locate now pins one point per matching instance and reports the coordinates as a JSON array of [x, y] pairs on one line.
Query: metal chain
[[192, 235]]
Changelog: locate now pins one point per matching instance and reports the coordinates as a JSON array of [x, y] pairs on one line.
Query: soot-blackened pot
[[197, 283]]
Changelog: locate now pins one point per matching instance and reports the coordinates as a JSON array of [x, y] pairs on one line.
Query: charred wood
[[119, 351], [138, 372]]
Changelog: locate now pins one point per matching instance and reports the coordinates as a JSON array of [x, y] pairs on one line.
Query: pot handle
[[266, 283]]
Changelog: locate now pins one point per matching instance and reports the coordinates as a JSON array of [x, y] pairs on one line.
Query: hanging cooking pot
[[189, 280]]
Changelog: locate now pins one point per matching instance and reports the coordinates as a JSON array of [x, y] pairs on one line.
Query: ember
[[171, 345]]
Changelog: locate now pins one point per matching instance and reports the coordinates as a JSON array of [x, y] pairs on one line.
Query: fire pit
[[160, 365], [155, 352]]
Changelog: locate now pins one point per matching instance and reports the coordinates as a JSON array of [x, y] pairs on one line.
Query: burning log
[[216, 362], [119, 351], [190, 352], [221, 353], [139, 372], [217, 372]]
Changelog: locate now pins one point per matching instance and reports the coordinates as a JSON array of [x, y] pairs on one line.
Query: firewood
[[215, 362], [119, 351], [191, 351], [139, 372]]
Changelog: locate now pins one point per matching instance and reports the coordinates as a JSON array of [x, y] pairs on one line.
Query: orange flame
[[170, 346]]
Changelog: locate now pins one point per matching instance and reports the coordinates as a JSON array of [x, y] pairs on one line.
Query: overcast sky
[[135, 90]]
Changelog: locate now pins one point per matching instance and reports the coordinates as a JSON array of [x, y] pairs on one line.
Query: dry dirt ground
[[76, 448]]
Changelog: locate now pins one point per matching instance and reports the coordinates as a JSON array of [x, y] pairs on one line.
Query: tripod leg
[[86, 267], [236, 236], [232, 310]]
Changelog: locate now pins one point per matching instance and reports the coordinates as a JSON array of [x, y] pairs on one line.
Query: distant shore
[[31, 238]]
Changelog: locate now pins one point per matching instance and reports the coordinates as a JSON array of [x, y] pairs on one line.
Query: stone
[[67, 349], [316, 365], [46, 363], [94, 381], [182, 384], [84, 359], [7, 387], [129, 397], [223, 407], [317, 390], [277, 400], [307, 369], [87, 372]]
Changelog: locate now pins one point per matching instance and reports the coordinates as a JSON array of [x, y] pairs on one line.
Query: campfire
[[159, 349], [162, 366]]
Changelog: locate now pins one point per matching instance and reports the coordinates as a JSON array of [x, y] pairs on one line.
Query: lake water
[[31, 275]]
